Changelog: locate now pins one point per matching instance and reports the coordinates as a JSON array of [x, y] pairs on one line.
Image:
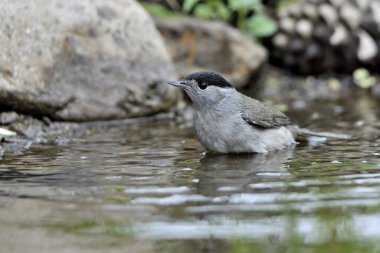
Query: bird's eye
[[202, 86]]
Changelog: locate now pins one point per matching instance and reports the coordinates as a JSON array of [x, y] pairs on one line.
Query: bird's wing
[[259, 114]]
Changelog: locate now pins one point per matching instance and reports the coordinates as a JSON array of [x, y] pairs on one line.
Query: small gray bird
[[227, 121]]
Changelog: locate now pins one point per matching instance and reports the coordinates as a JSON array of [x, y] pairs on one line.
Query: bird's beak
[[180, 84]]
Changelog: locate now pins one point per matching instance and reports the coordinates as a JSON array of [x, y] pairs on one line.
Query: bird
[[227, 121]]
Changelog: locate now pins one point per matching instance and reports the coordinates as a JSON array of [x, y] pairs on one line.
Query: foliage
[[248, 15], [363, 78], [258, 25], [283, 4], [158, 10]]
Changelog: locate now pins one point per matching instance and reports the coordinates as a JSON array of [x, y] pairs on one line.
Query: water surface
[[151, 188]]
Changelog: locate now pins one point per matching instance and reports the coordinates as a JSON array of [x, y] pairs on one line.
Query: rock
[[8, 117], [340, 36], [329, 35], [304, 28], [329, 14], [82, 60], [5, 132], [281, 40], [287, 25], [31, 131], [207, 45], [351, 15], [367, 47]]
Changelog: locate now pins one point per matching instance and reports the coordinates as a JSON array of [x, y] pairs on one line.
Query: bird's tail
[[303, 134]]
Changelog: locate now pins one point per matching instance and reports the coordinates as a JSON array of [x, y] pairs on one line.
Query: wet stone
[[8, 117]]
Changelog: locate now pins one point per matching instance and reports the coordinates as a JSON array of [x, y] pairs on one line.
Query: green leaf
[[261, 26], [203, 11], [188, 5], [245, 4], [159, 11], [363, 78], [223, 12]]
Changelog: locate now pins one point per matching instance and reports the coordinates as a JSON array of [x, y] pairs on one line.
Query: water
[[151, 188]]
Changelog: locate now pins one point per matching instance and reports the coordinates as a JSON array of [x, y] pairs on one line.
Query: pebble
[[5, 132]]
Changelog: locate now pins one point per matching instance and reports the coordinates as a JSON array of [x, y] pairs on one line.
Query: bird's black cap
[[209, 78]]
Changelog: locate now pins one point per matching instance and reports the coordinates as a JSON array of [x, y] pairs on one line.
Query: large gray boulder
[[82, 60], [209, 45]]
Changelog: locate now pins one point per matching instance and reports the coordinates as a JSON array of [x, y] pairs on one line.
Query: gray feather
[[256, 113]]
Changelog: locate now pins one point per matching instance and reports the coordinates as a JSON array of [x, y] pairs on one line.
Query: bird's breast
[[222, 132], [210, 131]]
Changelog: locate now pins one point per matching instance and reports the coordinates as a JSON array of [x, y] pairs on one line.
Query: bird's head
[[205, 88]]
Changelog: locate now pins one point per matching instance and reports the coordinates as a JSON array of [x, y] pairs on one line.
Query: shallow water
[[151, 188]]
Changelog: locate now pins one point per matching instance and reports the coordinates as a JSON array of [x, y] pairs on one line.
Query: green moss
[[95, 227], [298, 245]]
